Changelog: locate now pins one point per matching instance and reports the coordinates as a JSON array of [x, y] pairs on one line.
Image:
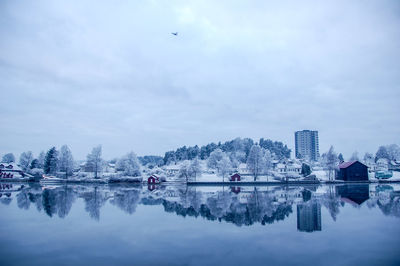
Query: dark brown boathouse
[[352, 171]]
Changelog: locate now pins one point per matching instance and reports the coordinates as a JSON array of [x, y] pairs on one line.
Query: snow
[[243, 178]]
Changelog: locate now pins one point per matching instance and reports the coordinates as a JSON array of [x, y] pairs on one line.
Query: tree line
[[238, 148]]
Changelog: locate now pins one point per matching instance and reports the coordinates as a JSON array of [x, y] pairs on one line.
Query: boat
[[51, 179], [383, 174]]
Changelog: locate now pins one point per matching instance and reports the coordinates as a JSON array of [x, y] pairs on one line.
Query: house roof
[[347, 164], [10, 166]]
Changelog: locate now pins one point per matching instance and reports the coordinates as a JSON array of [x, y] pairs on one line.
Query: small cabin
[[352, 171], [153, 179], [235, 178]]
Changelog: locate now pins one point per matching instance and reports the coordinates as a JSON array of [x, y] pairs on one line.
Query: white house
[[10, 170], [172, 169]]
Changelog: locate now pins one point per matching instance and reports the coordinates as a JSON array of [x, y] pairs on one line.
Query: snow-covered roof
[[10, 166], [172, 167], [280, 165], [295, 165], [242, 165], [347, 164]]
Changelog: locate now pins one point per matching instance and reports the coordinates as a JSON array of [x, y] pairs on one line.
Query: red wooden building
[[153, 179], [235, 177]]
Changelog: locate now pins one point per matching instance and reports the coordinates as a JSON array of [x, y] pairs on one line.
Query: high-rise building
[[307, 146]]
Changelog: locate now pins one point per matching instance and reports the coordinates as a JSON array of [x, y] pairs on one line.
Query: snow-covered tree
[[368, 158], [267, 160], [51, 161], [224, 166], [354, 156], [382, 153], [214, 158], [66, 161], [8, 158], [40, 159], [195, 168], [331, 162], [25, 160], [95, 161], [255, 161], [184, 170], [129, 164], [393, 151]]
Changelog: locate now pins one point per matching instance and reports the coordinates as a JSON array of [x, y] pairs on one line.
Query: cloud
[[84, 73]]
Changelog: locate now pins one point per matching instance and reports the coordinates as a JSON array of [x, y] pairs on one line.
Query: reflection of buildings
[[309, 217], [355, 194]]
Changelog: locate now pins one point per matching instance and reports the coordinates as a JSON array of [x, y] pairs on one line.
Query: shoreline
[[205, 183]]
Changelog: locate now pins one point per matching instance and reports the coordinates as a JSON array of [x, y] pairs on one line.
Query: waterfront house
[[10, 170], [235, 177], [352, 171], [242, 169], [153, 179], [394, 165]]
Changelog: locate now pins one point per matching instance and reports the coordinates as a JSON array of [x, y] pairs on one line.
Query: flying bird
[[174, 33]]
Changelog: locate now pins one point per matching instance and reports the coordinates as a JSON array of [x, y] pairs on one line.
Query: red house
[[235, 177], [153, 179]]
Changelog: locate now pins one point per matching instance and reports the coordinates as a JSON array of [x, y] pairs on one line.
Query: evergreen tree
[[305, 169], [51, 161], [340, 157]]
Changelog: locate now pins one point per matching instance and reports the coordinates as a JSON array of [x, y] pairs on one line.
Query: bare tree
[[354, 156], [331, 162], [255, 161], [224, 166], [195, 168], [66, 161], [94, 160], [25, 160]]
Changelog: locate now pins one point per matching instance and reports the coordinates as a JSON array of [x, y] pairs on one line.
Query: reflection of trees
[[260, 207], [6, 201], [332, 202], [94, 200], [126, 200], [57, 201], [23, 201], [388, 200], [263, 205]]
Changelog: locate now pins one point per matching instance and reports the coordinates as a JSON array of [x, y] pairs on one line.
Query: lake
[[199, 225]]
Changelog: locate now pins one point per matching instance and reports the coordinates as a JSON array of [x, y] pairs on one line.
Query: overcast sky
[[84, 73]]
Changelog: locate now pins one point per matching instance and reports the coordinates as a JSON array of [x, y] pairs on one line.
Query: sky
[[84, 73]]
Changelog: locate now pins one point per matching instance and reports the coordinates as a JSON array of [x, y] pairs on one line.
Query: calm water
[[179, 225]]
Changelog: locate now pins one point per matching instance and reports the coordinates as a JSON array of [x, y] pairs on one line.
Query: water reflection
[[242, 206]]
